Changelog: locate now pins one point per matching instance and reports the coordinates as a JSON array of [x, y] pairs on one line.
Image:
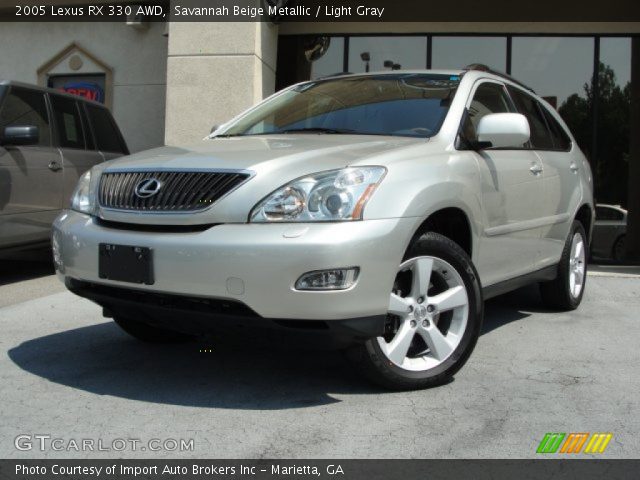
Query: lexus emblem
[[148, 187]]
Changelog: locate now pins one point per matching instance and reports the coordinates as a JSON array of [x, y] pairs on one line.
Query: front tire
[[434, 319], [149, 333], [566, 291]]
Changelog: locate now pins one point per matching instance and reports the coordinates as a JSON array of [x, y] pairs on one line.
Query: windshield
[[406, 104]]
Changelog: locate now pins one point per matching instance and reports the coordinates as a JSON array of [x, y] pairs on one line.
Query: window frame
[[58, 130]]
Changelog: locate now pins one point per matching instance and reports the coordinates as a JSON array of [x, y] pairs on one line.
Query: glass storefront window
[[611, 160], [458, 52], [331, 62], [555, 67], [373, 52]]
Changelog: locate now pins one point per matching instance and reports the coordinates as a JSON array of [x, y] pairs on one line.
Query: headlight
[[334, 195], [83, 198]]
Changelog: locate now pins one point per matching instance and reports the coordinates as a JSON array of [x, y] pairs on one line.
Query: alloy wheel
[[577, 265], [427, 315]]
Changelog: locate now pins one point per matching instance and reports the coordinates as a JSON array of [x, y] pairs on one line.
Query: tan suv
[[48, 139], [379, 210]]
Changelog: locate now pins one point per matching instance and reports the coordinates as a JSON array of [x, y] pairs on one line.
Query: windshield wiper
[[315, 130]]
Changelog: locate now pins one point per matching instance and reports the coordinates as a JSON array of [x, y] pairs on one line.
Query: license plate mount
[[126, 263]]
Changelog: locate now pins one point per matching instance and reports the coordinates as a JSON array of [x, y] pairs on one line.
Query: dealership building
[[171, 82]]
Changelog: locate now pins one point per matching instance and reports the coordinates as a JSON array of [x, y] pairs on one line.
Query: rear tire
[[149, 333], [566, 291], [434, 320]]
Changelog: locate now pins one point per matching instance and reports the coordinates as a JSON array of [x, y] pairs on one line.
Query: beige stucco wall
[[215, 71], [138, 59]]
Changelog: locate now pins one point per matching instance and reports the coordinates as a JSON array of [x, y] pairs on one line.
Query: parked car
[[609, 232], [48, 139], [380, 210]]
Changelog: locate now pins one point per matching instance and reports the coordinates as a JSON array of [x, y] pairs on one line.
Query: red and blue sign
[[86, 90]]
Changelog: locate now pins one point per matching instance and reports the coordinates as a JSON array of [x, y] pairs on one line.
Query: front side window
[[488, 98], [23, 107], [412, 105], [528, 106]]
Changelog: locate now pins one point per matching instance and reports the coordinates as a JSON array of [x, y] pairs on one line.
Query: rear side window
[[530, 108], [67, 115], [561, 140], [605, 213], [23, 107], [106, 133]]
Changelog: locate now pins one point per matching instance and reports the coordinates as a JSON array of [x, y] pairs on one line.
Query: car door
[[560, 175], [31, 176], [74, 140], [511, 193]]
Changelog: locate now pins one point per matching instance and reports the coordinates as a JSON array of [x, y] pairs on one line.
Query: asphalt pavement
[[69, 376]]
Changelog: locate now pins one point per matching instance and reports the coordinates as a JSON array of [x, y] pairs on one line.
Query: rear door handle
[[573, 167], [536, 169], [54, 166]]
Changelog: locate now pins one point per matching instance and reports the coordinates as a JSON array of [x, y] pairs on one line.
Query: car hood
[[274, 160], [263, 153]]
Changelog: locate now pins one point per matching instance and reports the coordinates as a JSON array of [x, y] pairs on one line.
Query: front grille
[[179, 191]]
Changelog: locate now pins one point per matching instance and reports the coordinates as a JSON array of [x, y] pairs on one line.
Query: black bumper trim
[[197, 315]]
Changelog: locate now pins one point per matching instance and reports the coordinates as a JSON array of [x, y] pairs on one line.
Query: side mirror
[[20, 135], [503, 130]]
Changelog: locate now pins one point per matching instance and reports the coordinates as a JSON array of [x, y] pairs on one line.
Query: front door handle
[[536, 169], [54, 166]]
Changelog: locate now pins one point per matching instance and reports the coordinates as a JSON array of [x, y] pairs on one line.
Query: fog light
[[57, 254], [334, 279]]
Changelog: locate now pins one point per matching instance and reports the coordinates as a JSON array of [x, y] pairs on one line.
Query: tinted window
[[530, 108], [68, 123], [604, 213], [26, 107], [488, 98], [106, 133], [403, 104], [561, 140]]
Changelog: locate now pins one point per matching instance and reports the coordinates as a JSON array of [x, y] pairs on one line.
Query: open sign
[[87, 90]]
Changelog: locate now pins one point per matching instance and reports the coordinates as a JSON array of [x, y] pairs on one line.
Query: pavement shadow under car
[[101, 359]]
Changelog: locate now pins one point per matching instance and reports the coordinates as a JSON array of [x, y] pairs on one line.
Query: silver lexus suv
[[378, 211]]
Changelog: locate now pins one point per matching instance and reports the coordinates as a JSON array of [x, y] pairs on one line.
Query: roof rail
[[479, 67], [338, 74]]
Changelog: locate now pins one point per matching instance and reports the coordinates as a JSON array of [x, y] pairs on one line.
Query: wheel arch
[[585, 216], [452, 222]]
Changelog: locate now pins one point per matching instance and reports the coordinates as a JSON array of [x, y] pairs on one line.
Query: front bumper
[[255, 265]]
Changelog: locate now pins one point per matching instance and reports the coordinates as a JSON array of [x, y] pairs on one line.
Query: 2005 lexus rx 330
[[379, 210]]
